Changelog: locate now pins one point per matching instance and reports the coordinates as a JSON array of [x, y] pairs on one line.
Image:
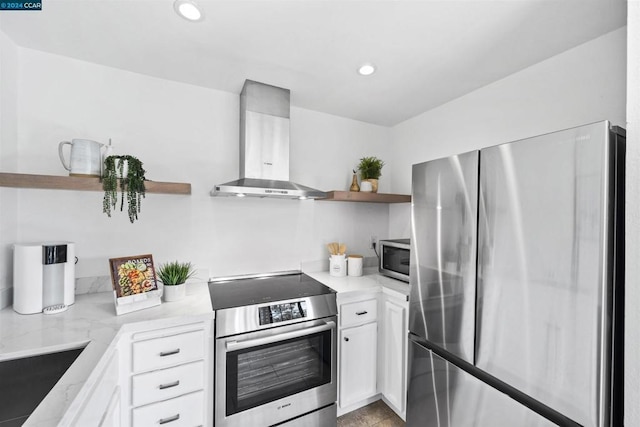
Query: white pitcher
[[86, 159]]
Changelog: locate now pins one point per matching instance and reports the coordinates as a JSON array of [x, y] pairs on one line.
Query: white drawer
[[185, 411], [168, 351], [356, 313], [167, 383]]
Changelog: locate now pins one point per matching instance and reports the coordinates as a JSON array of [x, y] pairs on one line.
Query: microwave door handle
[[241, 345]]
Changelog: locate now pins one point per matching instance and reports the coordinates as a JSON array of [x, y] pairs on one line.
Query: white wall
[[632, 269], [582, 85], [8, 161], [183, 133]]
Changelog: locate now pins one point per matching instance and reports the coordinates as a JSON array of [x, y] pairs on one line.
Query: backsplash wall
[[186, 133], [8, 161], [183, 133]]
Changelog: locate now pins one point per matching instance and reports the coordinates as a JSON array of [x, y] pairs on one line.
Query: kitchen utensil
[[342, 249], [335, 248], [85, 158]]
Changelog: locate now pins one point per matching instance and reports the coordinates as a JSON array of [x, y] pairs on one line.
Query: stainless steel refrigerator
[[516, 305]]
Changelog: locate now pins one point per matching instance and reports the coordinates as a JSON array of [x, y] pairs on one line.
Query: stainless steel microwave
[[394, 258]]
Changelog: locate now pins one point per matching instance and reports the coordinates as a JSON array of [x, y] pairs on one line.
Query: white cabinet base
[[358, 405], [372, 363]]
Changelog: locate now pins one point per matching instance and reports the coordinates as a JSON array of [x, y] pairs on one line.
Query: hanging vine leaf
[[132, 185]]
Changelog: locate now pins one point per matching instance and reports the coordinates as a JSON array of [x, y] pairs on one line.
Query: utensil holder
[[337, 265]]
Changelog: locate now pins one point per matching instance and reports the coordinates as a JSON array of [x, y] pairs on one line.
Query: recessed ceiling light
[[188, 9], [366, 69]]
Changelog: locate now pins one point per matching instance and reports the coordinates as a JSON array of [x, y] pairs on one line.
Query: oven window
[[265, 373]]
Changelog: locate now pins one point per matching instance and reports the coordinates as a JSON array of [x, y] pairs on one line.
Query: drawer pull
[[169, 419], [346, 338], [169, 353], [169, 385], [360, 313]]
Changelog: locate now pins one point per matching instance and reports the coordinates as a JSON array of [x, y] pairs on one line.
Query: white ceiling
[[427, 52]]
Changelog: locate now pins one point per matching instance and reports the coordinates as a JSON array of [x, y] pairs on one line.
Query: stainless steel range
[[275, 350]]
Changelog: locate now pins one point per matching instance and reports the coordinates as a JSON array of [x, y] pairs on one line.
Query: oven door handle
[[241, 345]]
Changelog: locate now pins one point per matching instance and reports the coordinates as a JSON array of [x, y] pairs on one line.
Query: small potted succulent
[[370, 171], [173, 276]]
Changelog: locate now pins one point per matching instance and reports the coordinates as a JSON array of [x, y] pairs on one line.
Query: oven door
[[270, 376]]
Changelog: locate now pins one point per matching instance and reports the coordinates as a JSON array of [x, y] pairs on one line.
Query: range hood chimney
[[264, 147]]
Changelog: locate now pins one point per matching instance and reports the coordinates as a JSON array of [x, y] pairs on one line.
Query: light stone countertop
[[91, 321], [370, 281]]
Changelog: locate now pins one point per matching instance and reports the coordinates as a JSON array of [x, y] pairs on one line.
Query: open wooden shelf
[[55, 182], [358, 196]]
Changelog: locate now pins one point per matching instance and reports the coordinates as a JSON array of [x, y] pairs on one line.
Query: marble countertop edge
[[90, 323], [370, 281]]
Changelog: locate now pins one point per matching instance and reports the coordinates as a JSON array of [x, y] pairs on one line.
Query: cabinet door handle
[[169, 385], [169, 353], [167, 420], [346, 338], [360, 313]]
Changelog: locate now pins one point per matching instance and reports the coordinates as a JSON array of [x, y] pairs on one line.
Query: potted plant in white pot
[[173, 276], [370, 171]]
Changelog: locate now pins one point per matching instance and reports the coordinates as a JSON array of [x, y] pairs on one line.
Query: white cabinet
[[157, 372], [168, 374], [167, 383], [359, 312], [112, 415], [372, 348], [357, 349], [358, 363], [187, 411], [167, 350], [393, 360], [103, 398]]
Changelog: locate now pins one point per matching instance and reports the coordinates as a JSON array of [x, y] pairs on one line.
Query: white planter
[[174, 292]]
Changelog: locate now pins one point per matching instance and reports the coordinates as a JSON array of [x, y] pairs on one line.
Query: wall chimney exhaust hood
[[264, 147]]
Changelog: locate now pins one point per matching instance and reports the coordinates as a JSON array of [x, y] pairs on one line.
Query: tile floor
[[376, 414]]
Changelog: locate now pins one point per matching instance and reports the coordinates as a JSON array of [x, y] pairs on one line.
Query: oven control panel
[[282, 312]]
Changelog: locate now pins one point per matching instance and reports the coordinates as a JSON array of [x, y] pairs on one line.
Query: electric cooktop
[[238, 291]]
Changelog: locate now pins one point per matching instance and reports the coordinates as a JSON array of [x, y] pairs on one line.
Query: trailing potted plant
[[173, 276], [129, 172], [370, 171]]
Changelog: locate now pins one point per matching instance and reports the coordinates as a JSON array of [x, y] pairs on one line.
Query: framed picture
[[133, 275]]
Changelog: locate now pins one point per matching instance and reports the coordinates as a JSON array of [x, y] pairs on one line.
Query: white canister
[[355, 265], [337, 265]]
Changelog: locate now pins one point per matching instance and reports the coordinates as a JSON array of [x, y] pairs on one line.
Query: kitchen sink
[[25, 382]]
